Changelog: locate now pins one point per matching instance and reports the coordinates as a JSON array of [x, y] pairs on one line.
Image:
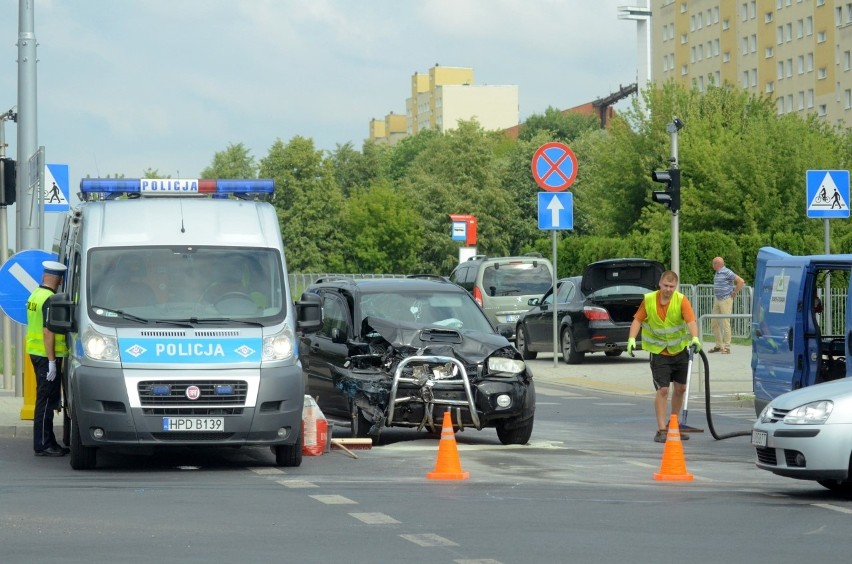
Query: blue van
[[789, 348]]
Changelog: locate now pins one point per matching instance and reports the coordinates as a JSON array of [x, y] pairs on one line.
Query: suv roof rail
[[429, 277], [478, 257], [534, 254], [329, 278]]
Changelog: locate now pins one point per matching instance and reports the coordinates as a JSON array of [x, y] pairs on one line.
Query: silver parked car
[[807, 434]]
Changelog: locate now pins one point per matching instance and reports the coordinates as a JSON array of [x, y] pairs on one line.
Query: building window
[[767, 18], [809, 26], [810, 97], [725, 24], [822, 73], [821, 37], [800, 29], [822, 110], [753, 43], [789, 68], [801, 63], [753, 78], [683, 38], [779, 104], [801, 99], [692, 55], [847, 60], [691, 23], [779, 35], [810, 63], [683, 7], [780, 75], [788, 32], [684, 70], [726, 57], [715, 47], [745, 45], [820, 2], [770, 87], [745, 79], [847, 99]]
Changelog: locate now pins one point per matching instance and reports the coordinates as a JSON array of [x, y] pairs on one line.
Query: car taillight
[[596, 314], [477, 296]]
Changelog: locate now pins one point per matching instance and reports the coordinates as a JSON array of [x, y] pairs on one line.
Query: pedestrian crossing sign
[[56, 189], [827, 193]]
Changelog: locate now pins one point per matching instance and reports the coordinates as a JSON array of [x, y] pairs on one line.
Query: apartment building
[[444, 96], [799, 52]]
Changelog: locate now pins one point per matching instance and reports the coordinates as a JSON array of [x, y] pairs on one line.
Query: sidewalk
[[730, 382]]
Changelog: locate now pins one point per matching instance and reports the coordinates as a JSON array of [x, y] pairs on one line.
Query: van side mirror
[[60, 314], [309, 313]]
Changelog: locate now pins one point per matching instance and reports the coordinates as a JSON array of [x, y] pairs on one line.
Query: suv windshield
[[522, 278], [452, 310], [186, 283]]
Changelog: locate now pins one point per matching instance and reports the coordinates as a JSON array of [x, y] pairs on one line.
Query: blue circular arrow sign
[[19, 276]]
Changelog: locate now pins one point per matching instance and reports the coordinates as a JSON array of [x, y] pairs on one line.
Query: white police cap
[[54, 268]]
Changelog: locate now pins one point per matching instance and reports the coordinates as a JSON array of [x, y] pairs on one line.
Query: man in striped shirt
[[726, 286]]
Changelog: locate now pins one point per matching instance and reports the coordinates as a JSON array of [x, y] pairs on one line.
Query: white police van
[[795, 343], [180, 324]]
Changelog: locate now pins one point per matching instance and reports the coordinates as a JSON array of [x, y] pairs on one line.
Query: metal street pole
[[8, 365], [672, 128]]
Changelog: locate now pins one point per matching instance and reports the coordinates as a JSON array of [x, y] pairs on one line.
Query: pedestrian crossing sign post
[[827, 194], [56, 188]]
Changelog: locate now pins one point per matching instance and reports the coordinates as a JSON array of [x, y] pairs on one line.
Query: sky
[[129, 85]]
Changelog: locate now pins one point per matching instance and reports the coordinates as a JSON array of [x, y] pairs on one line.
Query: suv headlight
[[279, 346], [98, 346], [500, 366], [814, 413]]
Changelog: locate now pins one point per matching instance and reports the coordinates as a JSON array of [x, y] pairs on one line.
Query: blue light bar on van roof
[[111, 187]]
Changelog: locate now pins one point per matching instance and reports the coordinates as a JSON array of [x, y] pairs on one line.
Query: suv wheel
[[521, 344], [569, 347]]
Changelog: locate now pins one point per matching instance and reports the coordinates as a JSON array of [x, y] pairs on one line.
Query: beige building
[[443, 97], [799, 52]]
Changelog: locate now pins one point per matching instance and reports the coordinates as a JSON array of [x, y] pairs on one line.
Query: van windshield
[[183, 283], [516, 279]]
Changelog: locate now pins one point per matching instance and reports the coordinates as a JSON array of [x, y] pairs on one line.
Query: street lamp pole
[[672, 128]]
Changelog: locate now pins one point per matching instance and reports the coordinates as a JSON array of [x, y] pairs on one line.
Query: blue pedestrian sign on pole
[[555, 210], [827, 193], [19, 276], [56, 188]]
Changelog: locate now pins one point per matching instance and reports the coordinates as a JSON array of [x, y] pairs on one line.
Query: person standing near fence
[[726, 286]]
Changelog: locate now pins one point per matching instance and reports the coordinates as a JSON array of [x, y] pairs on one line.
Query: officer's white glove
[[51, 370]]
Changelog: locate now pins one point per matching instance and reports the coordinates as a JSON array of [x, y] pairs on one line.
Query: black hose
[[713, 432]]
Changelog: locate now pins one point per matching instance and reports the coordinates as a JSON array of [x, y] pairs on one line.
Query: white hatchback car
[[807, 434]]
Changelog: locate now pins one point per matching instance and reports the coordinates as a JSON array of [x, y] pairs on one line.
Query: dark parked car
[[399, 352], [594, 311]]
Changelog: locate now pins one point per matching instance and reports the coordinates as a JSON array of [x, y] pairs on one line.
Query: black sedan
[[594, 311]]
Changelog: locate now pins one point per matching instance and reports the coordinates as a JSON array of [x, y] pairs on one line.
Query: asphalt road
[[581, 491]]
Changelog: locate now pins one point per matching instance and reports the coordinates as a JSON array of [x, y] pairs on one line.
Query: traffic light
[[9, 186], [671, 196]]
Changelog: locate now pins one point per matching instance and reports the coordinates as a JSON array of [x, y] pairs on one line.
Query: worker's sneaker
[[50, 451], [660, 437]]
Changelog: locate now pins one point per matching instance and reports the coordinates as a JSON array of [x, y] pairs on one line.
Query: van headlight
[[98, 346], [279, 346], [500, 366]]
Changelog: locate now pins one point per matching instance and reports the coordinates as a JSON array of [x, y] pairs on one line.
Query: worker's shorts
[[667, 369]]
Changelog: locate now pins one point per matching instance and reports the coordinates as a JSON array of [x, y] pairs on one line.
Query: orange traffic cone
[[448, 465], [673, 465]]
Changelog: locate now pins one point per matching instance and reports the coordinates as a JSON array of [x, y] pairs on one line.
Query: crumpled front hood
[[470, 346]]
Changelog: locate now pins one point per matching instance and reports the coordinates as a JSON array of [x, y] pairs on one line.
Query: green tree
[[558, 125], [234, 162], [383, 232]]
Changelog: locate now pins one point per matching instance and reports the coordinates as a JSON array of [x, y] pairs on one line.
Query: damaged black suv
[[398, 352]]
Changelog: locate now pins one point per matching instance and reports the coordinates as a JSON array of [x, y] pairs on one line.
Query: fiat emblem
[[193, 392]]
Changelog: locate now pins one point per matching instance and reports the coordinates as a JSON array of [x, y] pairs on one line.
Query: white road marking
[[374, 518], [334, 499], [296, 483], [833, 507], [429, 539], [266, 471]]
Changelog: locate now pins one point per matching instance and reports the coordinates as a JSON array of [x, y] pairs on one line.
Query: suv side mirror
[[60, 314], [309, 313]]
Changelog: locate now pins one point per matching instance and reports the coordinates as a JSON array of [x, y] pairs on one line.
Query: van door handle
[[790, 338]]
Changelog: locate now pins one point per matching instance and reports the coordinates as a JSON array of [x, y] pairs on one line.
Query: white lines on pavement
[[622, 404], [334, 499], [547, 403], [429, 539], [375, 518], [296, 484], [265, 471], [477, 561], [833, 507], [641, 464], [544, 390]]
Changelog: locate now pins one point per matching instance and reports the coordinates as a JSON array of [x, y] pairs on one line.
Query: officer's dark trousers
[[48, 395]]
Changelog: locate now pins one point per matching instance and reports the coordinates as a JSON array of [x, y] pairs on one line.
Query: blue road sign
[[827, 193], [19, 276], [56, 189], [555, 210], [554, 167]]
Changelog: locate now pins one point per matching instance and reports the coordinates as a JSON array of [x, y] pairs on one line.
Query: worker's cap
[[54, 268]]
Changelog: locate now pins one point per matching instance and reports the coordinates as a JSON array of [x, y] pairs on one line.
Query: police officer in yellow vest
[[46, 351], [668, 328]]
